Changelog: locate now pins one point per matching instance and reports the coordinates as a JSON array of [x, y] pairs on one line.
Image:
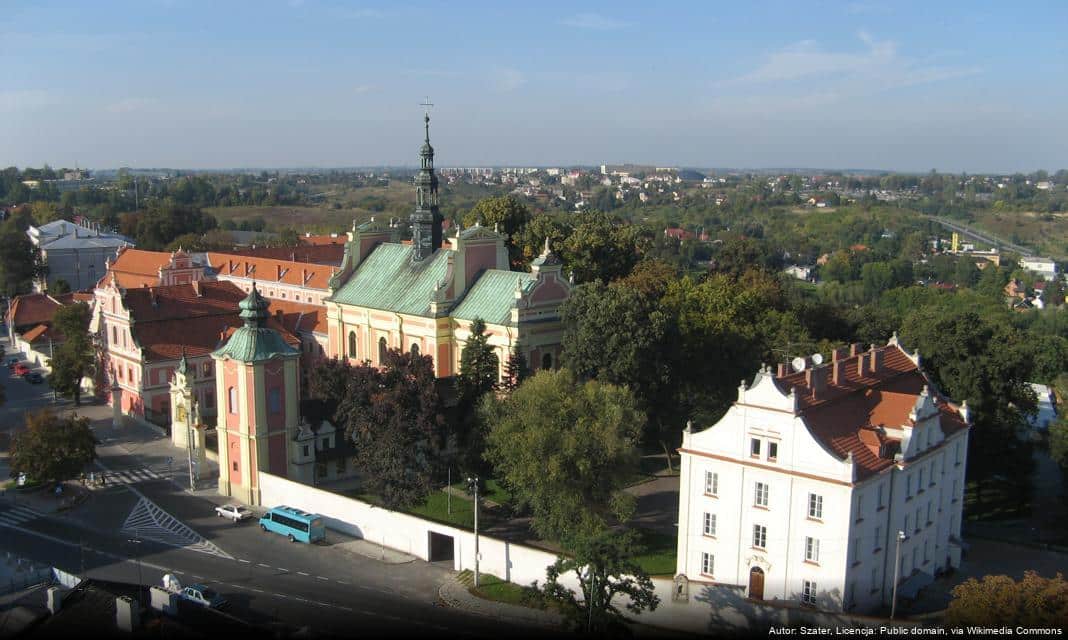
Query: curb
[[503, 610]]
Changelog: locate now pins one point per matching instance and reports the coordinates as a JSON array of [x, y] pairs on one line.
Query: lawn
[[999, 502], [658, 559], [493, 492], [490, 587], [435, 507]]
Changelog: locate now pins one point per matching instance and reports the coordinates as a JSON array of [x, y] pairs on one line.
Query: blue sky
[[975, 86]]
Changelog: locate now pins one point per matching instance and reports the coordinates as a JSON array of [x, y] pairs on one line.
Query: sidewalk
[[360, 547], [455, 594]]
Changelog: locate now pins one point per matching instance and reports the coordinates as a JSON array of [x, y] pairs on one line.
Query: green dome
[[254, 308]]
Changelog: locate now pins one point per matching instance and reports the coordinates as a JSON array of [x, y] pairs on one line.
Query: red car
[[21, 369]]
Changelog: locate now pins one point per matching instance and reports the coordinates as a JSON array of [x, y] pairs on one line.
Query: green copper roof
[[492, 297], [255, 344], [390, 281]]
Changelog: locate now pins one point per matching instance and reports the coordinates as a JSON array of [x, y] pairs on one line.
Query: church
[[420, 296], [424, 295]]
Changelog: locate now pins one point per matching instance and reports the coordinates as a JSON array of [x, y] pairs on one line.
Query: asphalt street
[[139, 531]]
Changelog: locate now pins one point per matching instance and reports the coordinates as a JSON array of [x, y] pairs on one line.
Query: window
[[207, 369], [382, 351], [815, 506], [812, 550], [232, 400], [710, 524], [934, 472], [906, 527], [708, 563], [209, 399], [114, 336], [235, 466], [808, 592], [928, 513], [352, 344], [875, 578], [547, 361], [760, 494], [760, 536], [773, 451], [306, 452], [958, 453], [926, 550], [860, 507], [877, 542], [919, 485], [915, 557], [754, 447], [882, 503], [711, 483], [908, 487], [274, 400], [856, 550], [919, 520], [954, 494]]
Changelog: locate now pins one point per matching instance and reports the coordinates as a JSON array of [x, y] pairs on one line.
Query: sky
[[952, 85]]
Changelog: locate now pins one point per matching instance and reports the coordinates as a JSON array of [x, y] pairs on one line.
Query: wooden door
[[756, 583]]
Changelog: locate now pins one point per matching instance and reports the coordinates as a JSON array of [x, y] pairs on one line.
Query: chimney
[[838, 368], [55, 599], [875, 359], [861, 369], [854, 349], [816, 379], [127, 614], [841, 353], [784, 370]]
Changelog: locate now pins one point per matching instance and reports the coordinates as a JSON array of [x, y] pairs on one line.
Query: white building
[[74, 253], [798, 493], [1042, 266]]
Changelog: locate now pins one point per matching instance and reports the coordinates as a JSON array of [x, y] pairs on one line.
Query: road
[[139, 531], [982, 236]]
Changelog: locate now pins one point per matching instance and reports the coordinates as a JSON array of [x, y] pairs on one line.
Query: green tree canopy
[[1000, 601], [52, 448], [509, 215], [73, 358], [566, 449]]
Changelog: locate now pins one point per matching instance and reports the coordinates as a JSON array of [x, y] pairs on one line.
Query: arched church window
[[415, 350], [547, 361], [352, 344], [232, 400], [381, 351]]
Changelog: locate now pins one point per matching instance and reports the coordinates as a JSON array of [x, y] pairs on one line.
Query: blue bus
[[294, 524]]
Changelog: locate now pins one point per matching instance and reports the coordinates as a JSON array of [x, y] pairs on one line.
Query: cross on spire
[[426, 104]]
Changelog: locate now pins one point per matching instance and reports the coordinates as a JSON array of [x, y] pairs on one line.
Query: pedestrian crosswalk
[[146, 520], [126, 476], [16, 515]]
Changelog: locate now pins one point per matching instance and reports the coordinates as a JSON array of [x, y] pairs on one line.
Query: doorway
[[756, 583], [441, 547]]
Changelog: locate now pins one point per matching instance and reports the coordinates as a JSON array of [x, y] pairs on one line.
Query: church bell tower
[[426, 221]]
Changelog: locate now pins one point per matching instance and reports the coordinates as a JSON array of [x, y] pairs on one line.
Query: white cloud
[[129, 105], [509, 79], [594, 21], [27, 99]]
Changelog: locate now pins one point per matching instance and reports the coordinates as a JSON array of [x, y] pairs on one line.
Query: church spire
[[426, 221]]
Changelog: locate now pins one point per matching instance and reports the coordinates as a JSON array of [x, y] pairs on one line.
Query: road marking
[[303, 574], [260, 564], [244, 561], [17, 515], [321, 578], [148, 521], [281, 569], [341, 582]]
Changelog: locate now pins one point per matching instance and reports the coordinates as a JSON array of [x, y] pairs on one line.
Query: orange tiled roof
[[298, 316], [340, 238], [42, 332], [326, 254], [32, 309], [312, 276], [182, 301], [847, 417]]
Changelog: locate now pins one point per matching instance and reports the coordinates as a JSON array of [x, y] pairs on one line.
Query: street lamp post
[[897, 570], [472, 482], [136, 540]]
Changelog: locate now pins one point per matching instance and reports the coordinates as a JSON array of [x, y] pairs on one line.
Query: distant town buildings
[[74, 253]]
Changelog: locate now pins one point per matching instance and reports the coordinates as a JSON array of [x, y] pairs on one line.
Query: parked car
[[21, 369], [235, 512], [11, 362], [203, 596], [34, 378]]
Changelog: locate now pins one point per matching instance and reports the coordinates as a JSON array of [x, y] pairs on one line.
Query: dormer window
[[754, 447], [773, 451]]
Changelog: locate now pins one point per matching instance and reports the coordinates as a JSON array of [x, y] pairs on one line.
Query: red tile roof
[[32, 309], [848, 417], [328, 254], [134, 268], [299, 317], [313, 276], [339, 238], [182, 301], [42, 333]]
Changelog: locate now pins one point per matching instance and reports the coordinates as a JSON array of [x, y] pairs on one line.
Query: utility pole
[[448, 491], [189, 449], [472, 482], [136, 540], [897, 569]]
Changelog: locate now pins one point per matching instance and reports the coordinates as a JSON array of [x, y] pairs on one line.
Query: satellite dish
[[817, 359], [798, 363]]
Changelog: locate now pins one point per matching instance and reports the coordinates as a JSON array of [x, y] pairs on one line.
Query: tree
[[20, 262], [477, 377], [60, 286], [1000, 601], [393, 416], [52, 449], [566, 449], [602, 247], [516, 369], [506, 213], [73, 358], [605, 571]]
